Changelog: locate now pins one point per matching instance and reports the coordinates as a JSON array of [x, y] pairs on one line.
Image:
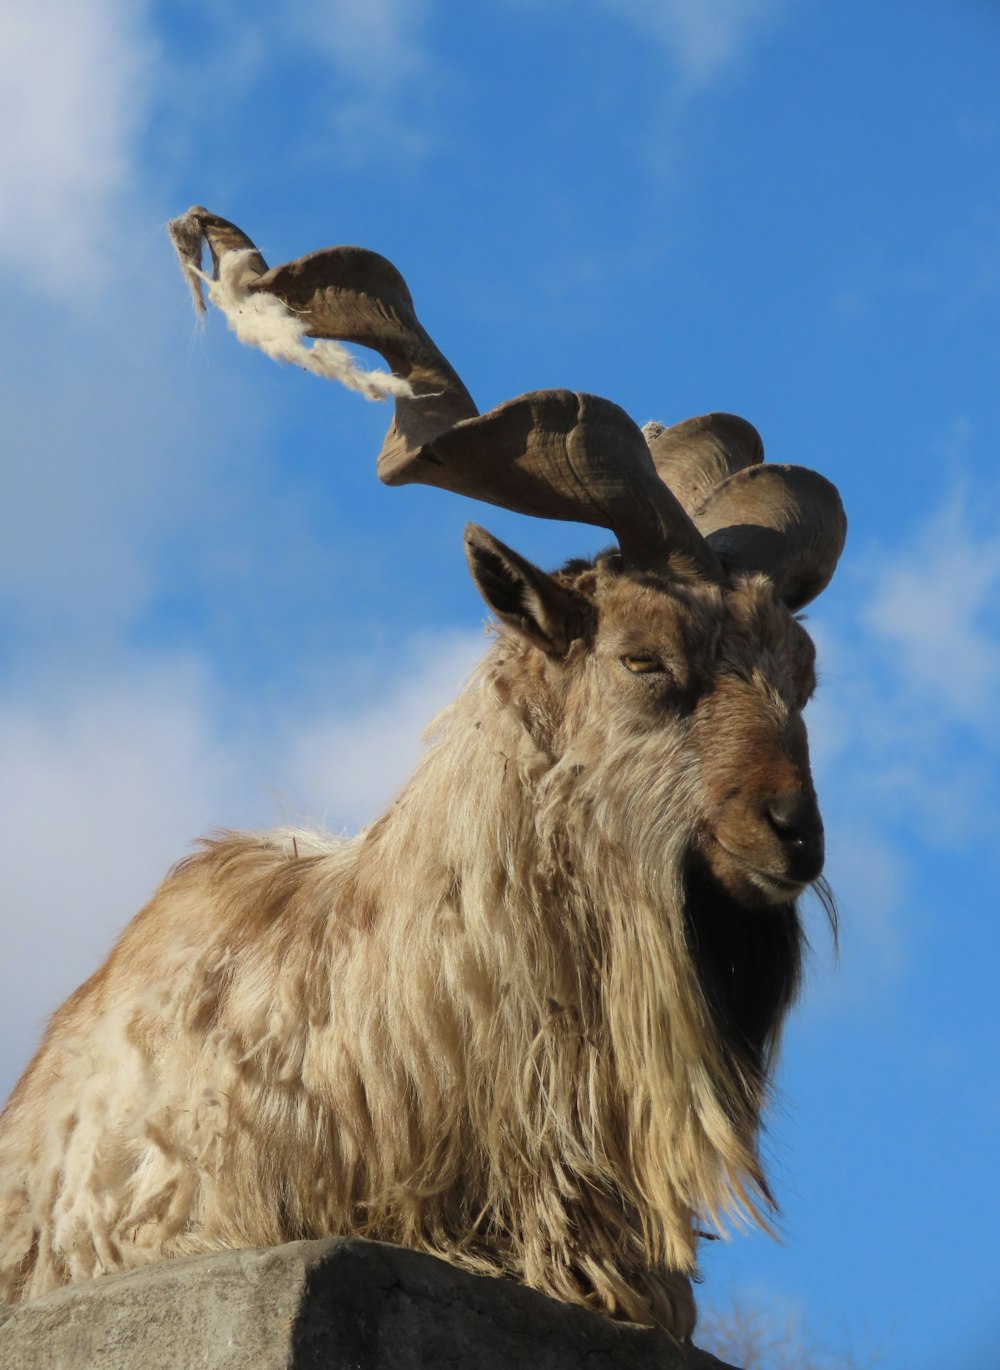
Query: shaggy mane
[[474, 1030]]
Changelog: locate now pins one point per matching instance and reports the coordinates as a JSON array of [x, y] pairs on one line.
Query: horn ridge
[[785, 521], [695, 456], [693, 498], [346, 294], [571, 456]]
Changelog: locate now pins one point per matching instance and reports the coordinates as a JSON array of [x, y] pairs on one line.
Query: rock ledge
[[337, 1304]]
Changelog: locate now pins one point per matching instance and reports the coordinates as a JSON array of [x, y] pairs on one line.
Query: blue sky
[[212, 614]]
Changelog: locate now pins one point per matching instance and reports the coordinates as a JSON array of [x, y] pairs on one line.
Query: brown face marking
[[762, 835], [671, 626], [725, 675]]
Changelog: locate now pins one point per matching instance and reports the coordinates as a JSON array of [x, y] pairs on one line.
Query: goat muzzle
[[794, 818]]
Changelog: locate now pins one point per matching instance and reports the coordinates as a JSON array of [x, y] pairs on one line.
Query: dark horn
[[351, 295], [558, 454], [785, 521], [554, 454], [695, 456]]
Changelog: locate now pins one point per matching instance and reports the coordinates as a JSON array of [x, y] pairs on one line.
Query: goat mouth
[[778, 882], [766, 881]]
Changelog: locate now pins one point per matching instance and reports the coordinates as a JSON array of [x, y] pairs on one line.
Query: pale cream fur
[[260, 319], [475, 1029]]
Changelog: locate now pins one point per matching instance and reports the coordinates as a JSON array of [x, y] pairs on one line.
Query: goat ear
[[530, 601]]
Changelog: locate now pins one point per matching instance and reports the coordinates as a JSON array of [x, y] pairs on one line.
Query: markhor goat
[[525, 1020]]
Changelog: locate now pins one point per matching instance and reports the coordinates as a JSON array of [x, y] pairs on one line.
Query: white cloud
[[911, 680], [936, 612], [373, 44], [701, 37], [78, 83], [364, 77], [115, 437], [376, 60], [869, 874], [345, 769], [903, 734], [105, 784], [73, 97], [99, 793]]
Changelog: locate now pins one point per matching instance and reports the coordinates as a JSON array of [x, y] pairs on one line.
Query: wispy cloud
[[937, 614], [378, 68], [362, 74], [905, 739], [74, 86], [345, 768], [701, 38], [106, 783], [914, 678], [101, 789], [79, 85], [113, 437], [373, 44]]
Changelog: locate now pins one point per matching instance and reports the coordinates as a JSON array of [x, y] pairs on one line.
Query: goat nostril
[[794, 818]]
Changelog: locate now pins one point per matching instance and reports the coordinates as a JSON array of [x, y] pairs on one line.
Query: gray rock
[[338, 1304]]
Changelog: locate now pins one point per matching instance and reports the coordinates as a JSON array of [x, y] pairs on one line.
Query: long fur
[[260, 319], [515, 1023]]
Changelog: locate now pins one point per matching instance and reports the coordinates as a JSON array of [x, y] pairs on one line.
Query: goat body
[[523, 1021]]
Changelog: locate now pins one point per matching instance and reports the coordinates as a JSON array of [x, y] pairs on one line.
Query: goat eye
[[640, 663]]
